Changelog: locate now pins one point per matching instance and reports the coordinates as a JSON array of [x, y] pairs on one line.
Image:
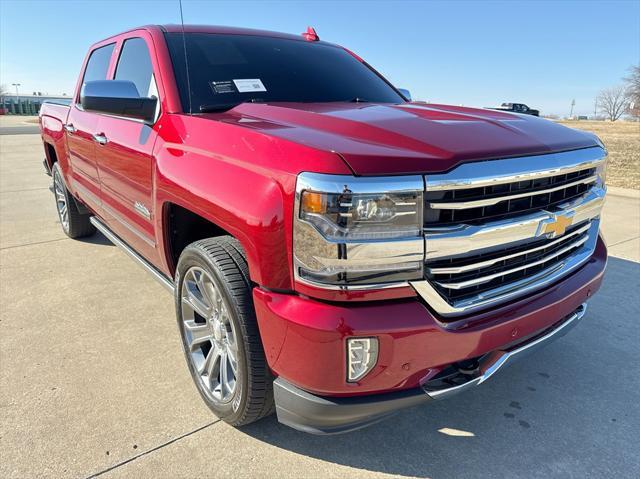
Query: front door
[[124, 157]]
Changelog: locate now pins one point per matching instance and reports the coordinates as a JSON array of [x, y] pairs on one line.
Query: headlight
[[364, 216], [358, 232]]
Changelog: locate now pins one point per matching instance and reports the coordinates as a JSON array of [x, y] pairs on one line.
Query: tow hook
[[468, 367]]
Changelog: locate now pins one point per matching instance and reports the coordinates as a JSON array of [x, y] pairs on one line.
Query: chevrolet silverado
[[336, 251]]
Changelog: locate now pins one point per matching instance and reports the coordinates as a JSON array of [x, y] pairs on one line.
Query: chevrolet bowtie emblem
[[557, 226]]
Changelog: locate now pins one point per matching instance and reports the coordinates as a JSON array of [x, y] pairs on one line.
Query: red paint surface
[[238, 169]]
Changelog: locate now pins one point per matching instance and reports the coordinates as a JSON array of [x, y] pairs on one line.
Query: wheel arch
[[183, 226], [260, 235], [50, 154]]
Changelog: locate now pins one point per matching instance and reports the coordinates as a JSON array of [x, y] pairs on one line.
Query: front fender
[[242, 181]]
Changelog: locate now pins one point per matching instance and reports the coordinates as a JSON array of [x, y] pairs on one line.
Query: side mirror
[[405, 93], [117, 97]]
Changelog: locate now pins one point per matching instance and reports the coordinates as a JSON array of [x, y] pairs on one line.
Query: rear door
[[80, 129], [124, 157]]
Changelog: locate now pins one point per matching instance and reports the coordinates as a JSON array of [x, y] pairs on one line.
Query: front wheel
[[219, 331]]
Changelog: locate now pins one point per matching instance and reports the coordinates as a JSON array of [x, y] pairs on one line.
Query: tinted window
[[135, 65], [98, 64], [287, 70]]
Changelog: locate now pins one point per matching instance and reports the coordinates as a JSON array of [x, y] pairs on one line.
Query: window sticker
[[249, 85], [223, 87]]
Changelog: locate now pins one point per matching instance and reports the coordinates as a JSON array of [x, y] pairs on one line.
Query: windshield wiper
[[226, 106], [358, 100], [218, 107]]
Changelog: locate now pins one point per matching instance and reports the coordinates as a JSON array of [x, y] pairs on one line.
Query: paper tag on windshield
[[249, 85]]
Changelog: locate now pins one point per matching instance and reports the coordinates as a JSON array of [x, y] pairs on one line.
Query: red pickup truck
[[336, 251]]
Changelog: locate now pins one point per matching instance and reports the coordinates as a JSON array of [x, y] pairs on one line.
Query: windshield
[[230, 69]]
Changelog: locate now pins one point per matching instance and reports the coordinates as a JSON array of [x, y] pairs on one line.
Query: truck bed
[[53, 116]]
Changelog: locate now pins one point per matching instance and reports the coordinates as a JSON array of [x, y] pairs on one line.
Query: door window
[[135, 65], [98, 64]]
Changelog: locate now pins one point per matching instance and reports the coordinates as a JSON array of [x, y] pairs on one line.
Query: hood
[[384, 139]]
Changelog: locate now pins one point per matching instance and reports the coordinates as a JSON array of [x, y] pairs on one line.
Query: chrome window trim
[[126, 118], [511, 170]]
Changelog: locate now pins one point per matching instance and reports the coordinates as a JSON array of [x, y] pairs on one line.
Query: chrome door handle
[[100, 138], [70, 128]]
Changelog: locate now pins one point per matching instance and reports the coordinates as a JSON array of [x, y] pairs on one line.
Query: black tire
[[223, 259], [77, 224]]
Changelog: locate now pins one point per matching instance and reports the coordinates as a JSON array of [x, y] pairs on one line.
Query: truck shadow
[[564, 411], [97, 238]]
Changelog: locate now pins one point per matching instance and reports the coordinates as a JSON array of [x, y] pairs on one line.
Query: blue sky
[[542, 53]]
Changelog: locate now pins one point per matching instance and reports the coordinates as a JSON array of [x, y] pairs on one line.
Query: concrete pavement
[[621, 223], [18, 120], [18, 125], [93, 381], [19, 130]]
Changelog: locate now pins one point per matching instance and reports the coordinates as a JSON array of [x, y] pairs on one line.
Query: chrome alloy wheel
[[209, 335], [61, 200]]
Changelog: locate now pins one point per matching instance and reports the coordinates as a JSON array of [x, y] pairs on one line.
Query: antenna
[[186, 60]]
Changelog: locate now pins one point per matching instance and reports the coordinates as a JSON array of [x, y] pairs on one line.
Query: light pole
[[573, 103], [16, 85]]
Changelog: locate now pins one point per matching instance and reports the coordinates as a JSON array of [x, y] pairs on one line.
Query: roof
[[228, 30], [173, 28]]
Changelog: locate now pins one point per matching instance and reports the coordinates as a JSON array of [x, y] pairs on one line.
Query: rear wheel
[[74, 223], [220, 337]]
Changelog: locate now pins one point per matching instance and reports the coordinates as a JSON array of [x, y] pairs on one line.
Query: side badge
[[142, 209]]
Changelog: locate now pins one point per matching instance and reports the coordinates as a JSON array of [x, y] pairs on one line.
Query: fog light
[[362, 354]]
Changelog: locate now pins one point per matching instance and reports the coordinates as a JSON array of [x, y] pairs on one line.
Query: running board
[[111, 236]]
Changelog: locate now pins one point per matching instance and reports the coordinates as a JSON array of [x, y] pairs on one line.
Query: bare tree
[[633, 90], [613, 102]]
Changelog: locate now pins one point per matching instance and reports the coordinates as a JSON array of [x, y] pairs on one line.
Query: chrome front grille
[[500, 201], [462, 278], [500, 229]]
